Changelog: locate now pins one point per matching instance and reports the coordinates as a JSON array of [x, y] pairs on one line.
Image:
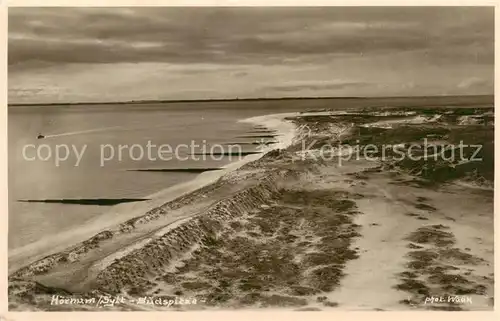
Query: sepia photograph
[[322, 158]]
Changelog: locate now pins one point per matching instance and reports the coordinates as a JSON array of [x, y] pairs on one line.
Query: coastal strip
[[295, 230], [38, 252]]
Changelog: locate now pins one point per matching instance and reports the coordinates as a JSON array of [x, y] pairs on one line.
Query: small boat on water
[[40, 136]]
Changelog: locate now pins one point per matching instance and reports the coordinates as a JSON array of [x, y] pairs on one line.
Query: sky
[[122, 54]]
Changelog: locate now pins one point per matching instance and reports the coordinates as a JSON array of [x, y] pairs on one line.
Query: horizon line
[[159, 101]]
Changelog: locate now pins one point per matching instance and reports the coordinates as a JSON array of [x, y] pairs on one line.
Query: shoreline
[[30, 254], [131, 102]]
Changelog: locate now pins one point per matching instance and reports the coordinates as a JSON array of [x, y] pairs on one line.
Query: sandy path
[[371, 278]]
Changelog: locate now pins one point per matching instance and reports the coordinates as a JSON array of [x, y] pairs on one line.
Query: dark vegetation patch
[[303, 290], [425, 207], [408, 275], [413, 286], [401, 134], [444, 278], [233, 269], [436, 271], [196, 285], [413, 246], [457, 256], [412, 214], [433, 170], [423, 255], [448, 165], [327, 278], [429, 235]]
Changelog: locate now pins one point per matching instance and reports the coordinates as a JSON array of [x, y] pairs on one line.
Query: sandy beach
[[288, 230]]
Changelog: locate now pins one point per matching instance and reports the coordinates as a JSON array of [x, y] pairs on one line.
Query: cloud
[[472, 82], [314, 86], [259, 51], [235, 35]]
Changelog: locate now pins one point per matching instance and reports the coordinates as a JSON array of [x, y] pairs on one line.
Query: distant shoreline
[[165, 101]]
